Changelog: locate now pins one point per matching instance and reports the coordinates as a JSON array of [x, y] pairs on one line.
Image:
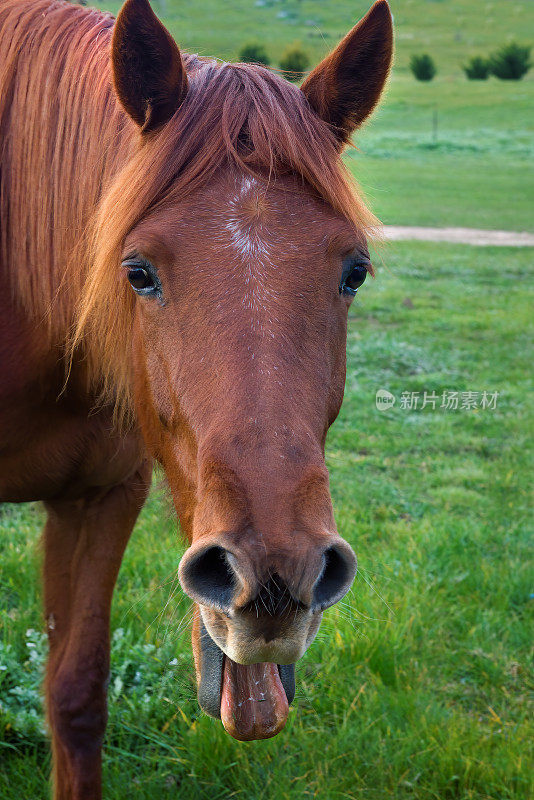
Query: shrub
[[511, 62], [423, 67], [477, 68], [294, 62], [254, 53]]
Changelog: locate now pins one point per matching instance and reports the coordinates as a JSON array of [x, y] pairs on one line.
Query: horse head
[[238, 245]]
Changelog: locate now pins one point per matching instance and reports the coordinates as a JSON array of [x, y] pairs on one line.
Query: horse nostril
[[208, 577], [339, 569]]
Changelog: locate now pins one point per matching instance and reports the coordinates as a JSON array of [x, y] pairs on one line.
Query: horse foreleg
[[84, 544]]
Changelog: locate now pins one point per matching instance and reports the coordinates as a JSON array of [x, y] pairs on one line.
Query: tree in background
[[294, 62], [254, 53], [423, 67], [477, 68], [511, 62]]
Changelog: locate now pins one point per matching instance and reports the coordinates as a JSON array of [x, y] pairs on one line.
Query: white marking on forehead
[[246, 240], [246, 236], [248, 183], [250, 241]]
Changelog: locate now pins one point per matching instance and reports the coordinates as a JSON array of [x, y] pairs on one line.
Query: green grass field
[[477, 172], [418, 684]]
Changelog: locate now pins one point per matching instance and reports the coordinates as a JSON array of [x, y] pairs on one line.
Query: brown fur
[[228, 180]]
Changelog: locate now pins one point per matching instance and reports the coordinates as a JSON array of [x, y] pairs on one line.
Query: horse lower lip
[[211, 675]]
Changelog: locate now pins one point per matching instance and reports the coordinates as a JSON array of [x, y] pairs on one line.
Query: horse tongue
[[253, 702]]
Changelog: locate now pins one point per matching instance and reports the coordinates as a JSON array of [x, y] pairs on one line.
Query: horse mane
[[76, 176], [61, 136]]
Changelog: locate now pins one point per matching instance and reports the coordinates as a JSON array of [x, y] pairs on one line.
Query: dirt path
[[460, 236]]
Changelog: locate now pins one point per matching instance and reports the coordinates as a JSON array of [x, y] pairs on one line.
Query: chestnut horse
[[180, 244]]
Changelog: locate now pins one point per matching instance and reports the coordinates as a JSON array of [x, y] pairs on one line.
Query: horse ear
[[148, 73], [345, 87]]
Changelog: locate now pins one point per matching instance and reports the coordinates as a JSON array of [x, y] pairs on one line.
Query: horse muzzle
[[250, 633]]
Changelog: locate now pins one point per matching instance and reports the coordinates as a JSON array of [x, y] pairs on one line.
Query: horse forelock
[[242, 116]]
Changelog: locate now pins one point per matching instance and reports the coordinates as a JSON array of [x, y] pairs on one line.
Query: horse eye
[[142, 277], [356, 277], [139, 278], [353, 278]]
